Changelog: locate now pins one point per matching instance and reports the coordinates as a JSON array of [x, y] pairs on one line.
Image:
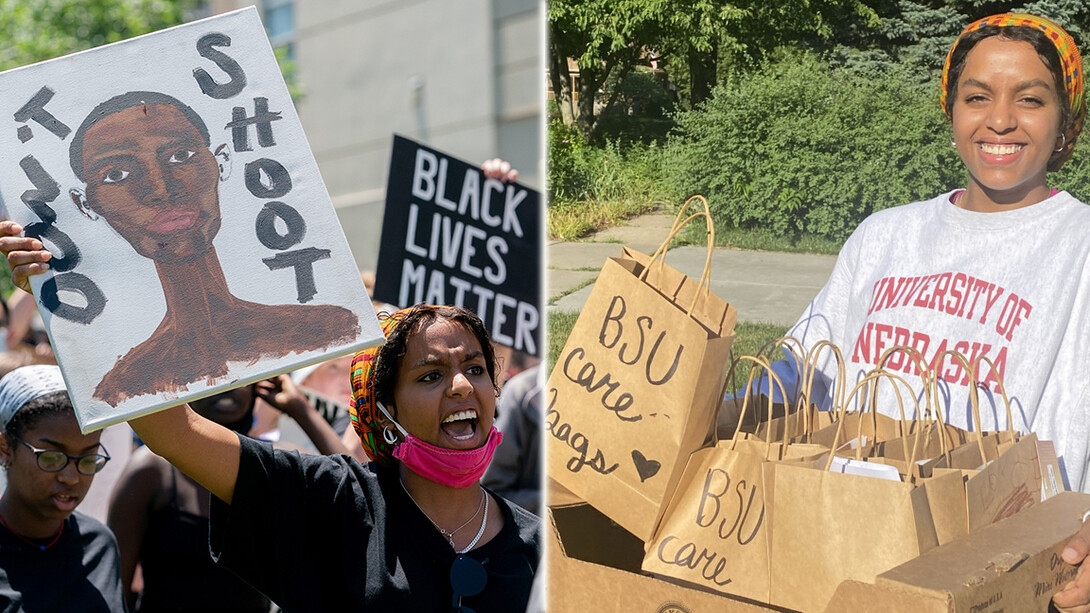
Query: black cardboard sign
[[451, 236]]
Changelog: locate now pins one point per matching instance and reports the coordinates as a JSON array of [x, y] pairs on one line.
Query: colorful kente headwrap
[[1070, 63], [362, 409]]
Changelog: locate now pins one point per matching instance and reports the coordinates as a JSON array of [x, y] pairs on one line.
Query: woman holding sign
[[1000, 268]]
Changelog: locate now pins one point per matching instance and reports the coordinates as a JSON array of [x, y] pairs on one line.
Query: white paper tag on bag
[[864, 469], [1051, 481]]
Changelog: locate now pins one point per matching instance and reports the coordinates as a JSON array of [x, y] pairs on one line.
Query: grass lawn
[[571, 221]]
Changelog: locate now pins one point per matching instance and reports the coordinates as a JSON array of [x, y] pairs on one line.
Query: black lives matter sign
[[452, 237]]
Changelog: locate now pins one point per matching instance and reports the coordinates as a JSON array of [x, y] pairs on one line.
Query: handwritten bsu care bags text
[[634, 391], [714, 532]]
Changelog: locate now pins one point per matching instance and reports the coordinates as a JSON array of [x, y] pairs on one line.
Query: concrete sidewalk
[[763, 286]]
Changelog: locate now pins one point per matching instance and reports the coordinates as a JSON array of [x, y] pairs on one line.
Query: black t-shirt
[[80, 572], [325, 533], [179, 575]]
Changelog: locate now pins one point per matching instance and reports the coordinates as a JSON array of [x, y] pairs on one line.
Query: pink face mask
[[449, 467]]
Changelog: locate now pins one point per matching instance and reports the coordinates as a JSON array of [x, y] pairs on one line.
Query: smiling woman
[[999, 269]]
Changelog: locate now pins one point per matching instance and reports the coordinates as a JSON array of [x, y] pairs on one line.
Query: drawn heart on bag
[[646, 468]]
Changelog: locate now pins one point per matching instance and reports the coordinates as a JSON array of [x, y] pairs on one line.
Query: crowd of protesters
[[377, 502], [315, 530]]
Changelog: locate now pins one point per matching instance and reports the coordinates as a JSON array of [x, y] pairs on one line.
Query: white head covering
[[24, 384]]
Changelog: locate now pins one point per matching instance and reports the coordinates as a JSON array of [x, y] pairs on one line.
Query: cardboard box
[[594, 565], [1012, 565]]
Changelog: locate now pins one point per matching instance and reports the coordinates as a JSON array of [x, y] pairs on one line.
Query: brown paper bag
[[831, 526], [635, 390], [1003, 476], [714, 531]]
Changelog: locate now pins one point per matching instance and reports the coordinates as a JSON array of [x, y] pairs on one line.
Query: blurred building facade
[[460, 76]]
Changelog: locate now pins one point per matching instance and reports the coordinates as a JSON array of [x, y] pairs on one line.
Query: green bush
[[800, 147], [579, 171], [568, 178], [1075, 175]]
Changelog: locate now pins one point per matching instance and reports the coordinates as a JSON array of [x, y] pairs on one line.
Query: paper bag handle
[[794, 350], [1002, 389], [759, 362], [872, 378], [841, 378], [680, 221], [974, 400], [921, 367], [930, 412]]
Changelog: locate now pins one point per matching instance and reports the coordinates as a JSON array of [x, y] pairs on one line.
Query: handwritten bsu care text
[[730, 517], [637, 342], [265, 178]]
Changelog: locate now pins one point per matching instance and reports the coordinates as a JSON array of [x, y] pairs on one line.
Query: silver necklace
[[484, 522], [450, 535]]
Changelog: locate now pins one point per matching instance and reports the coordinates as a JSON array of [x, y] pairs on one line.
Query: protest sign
[[450, 236], [194, 245]]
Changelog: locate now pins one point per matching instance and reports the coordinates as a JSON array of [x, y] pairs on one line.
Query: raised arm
[[199, 447]]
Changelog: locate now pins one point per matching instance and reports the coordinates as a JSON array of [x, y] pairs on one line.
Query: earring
[[953, 144], [80, 201], [388, 435], [1062, 144]]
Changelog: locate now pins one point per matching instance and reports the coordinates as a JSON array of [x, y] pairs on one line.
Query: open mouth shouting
[[461, 426]]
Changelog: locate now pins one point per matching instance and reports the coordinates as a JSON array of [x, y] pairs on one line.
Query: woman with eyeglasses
[[51, 557]]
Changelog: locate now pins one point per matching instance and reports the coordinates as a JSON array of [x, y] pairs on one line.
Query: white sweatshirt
[[1014, 286]]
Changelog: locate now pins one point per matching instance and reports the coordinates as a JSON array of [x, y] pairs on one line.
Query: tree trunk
[[560, 78], [702, 73], [590, 80]]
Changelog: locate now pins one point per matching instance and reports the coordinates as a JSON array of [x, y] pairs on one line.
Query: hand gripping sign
[[194, 245]]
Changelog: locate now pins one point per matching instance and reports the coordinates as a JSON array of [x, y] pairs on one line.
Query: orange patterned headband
[[1070, 60]]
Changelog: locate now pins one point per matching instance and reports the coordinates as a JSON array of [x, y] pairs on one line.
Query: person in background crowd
[[328, 385], [22, 328], [52, 558], [515, 471], [160, 518]]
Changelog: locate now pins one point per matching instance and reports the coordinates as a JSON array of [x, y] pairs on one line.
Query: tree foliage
[[36, 30], [803, 147], [608, 38]]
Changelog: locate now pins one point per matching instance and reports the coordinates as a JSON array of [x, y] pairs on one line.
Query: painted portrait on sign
[[151, 172], [194, 245]]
